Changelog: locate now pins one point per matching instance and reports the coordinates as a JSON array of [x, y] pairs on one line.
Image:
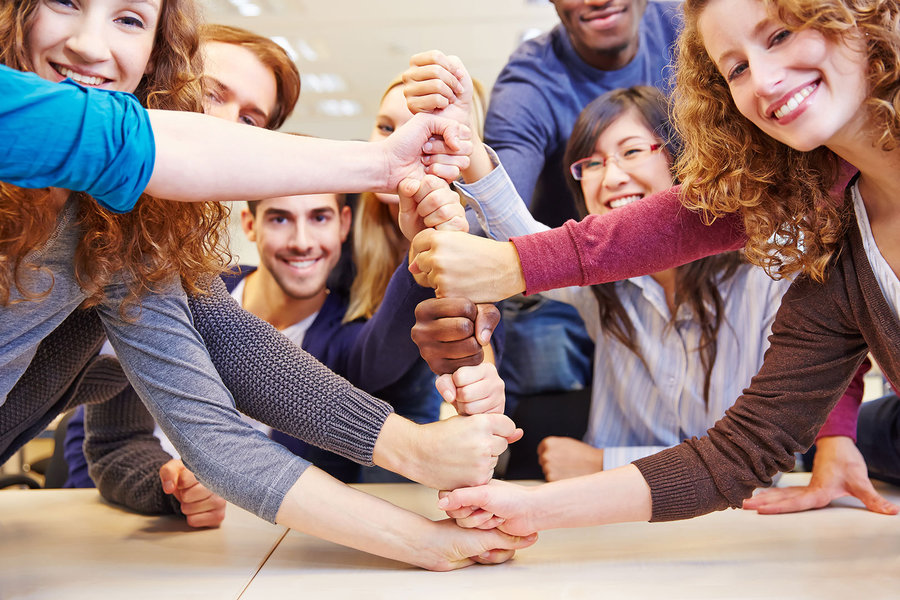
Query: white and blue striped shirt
[[637, 410]]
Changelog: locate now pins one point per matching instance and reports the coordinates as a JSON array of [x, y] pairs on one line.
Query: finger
[[874, 501], [168, 475], [445, 308], [788, 501], [478, 407], [407, 191], [445, 216], [503, 426], [477, 518], [493, 557], [471, 496], [209, 519], [486, 321], [492, 523], [498, 445], [455, 224], [445, 387], [511, 542]]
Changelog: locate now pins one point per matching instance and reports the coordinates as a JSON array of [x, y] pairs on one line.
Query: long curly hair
[[729, 165], [156, 240], [696, 283]]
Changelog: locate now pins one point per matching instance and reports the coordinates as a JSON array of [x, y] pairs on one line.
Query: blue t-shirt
[[67, 136], [541, 91]]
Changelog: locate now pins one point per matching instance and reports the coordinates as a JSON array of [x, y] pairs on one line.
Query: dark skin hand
[[445, 332]]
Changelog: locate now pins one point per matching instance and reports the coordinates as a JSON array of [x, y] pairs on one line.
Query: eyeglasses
[[627, 158]]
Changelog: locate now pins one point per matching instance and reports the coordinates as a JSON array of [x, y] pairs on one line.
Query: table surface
[[71, 544]]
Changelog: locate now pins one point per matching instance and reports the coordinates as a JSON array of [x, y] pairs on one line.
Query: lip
[[604, 17], [78, 75], [803, 91]]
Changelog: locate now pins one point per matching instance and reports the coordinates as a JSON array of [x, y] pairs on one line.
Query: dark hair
[[273, 56], [696, 283], [341, 200]]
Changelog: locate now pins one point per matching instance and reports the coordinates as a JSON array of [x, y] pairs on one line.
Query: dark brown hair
[[696, 283]]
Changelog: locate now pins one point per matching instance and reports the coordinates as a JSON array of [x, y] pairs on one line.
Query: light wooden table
[[70, 544]]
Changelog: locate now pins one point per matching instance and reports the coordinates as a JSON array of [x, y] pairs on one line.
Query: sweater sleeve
[[124, 456], [67, 136], [644, 237], [383, 350], [276, 382], [816, 348]]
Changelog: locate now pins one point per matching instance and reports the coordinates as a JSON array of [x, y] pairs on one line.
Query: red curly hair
[[156, 240]]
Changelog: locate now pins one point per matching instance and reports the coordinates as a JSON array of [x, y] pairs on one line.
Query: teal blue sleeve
[[64, 135]]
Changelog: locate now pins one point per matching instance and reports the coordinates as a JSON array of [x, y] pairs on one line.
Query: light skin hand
[[429, 203], [449, 142], [565, 457], [609, 497], [455, 452], [444, 332], [473, 390], [202, 507], [319, 505], [838, 470], [459, 264], [439, 84]]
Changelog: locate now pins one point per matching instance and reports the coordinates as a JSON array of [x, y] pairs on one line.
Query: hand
[[438, 84], [473, 390], [447, 454], [838, 470], [445, 332], [500, 504], [425, 144], [429, 203], [201, 507], [459, 264], [565, 457], [458, 547]]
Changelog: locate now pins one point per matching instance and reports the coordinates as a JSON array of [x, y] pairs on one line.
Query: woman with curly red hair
[[774, 99], [61, 253]]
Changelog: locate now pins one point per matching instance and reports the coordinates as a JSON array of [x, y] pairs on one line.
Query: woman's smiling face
[[799, 87], [618, 186], [97, 43]]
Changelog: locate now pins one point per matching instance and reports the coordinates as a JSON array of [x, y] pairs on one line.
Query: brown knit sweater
[[820, 336]]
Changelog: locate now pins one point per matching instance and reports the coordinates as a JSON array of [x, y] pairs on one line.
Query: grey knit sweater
[[272, 380]]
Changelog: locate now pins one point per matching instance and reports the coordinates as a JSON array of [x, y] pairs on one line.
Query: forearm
[[271, 164], [321, 506], [124, 456], [613, 496], [276, 382], [644, 237]]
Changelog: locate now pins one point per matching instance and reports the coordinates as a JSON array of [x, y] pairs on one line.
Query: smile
[[794, 101], [302, 264], [624, 201], [88, 80]]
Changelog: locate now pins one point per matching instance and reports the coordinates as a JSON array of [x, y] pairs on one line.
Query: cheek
[[593, 199]]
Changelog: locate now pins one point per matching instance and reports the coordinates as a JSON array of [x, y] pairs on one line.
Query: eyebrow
[[154, 3], [211, 82], [757, 29]]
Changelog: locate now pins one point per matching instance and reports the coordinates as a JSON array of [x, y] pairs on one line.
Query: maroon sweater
[[820, 336]]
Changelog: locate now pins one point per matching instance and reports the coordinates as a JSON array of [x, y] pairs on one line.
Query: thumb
[[486, 321], [168, 475], [445, 387], [874, 501], [458, 498]]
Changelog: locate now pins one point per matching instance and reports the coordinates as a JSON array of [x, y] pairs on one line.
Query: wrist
[[396, 448], [511, 276], [480, 163]]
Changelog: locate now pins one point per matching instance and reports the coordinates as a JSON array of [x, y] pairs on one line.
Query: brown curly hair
[[728, 165], [157, 239]]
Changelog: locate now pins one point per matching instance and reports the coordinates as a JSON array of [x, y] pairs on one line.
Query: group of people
[[781, 139]]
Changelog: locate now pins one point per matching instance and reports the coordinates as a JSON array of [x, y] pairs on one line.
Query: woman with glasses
[[673, 349]]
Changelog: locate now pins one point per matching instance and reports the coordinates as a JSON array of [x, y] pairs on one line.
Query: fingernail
[[443, 503], [484, 555]]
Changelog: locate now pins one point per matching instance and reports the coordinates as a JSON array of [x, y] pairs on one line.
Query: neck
[[878, 182], [264, 298], [611, 60], [666, 279]]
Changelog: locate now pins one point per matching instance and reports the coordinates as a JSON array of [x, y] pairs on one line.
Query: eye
[[213, 97], [633, 152], [736, 71], [66, 3], [131, 22], [278, 220], [385, 128], [248, 121], [779, 37]]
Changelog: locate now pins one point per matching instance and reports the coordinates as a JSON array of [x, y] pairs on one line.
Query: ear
[[346, 220], [248, 222]]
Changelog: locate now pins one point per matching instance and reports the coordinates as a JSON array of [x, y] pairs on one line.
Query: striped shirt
[[638, 410]]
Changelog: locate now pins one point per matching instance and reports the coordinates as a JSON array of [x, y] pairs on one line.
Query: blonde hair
[[728, 165], [378, 244], [155, 240]]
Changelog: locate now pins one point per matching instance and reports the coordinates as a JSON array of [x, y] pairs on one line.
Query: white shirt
[[887, 279]]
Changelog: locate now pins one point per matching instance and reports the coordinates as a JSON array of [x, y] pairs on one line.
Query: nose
[[614, 176], [302, 239], [766, 73], [88, 42]]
